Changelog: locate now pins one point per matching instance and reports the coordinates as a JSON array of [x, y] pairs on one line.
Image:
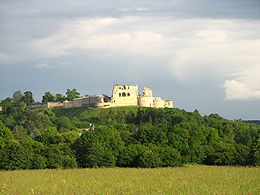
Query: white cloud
[[133, 9], [110, 35], [218, 59], [245, 85], [42, 65], [124, 9], [194, 48], [142, 9]]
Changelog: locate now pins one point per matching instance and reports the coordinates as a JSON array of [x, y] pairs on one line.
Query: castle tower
[[146, 100], [124, 95]]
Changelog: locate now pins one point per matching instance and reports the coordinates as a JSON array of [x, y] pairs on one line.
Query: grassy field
[[179, 180]]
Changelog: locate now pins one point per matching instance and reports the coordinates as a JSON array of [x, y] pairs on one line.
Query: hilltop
[[123, 137]]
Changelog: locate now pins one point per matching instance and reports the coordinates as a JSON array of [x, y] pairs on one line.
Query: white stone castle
[[122, 95]]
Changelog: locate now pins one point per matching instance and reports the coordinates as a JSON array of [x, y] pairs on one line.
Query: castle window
[[119, 87], [128, 87], [119, 94], [128, 94], [123, 94]]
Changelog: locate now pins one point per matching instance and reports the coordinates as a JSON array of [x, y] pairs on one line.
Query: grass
[[178, 180], [71, 112]]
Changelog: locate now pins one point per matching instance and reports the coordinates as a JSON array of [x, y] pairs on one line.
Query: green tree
[[99, 147], [59, 156], [169, 156], [5, 134], [48, 97], [64, 124], [7, 105], [129, 155], [147, 133], [59, 97], [72, 94], [49, 136], [17, 97], [256, 153], [22, 106], [28, 97], [13, 156], [150, 157]]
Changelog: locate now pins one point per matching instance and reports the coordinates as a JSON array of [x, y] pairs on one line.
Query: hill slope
[[124, 137]]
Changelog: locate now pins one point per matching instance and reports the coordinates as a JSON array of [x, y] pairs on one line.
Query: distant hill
[[257, 122]]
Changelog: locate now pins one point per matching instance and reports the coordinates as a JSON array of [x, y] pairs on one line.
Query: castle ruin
[[122, 95]]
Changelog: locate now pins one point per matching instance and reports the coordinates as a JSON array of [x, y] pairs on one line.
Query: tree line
[[123, 137], [27, 97], [21, 100]]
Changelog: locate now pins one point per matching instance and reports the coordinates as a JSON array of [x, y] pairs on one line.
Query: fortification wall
[[158, 102], [54, 104], [68, 104], [37, 106], [90, 101], [124, 95], [144, 101], [102, 103], [75, 103]]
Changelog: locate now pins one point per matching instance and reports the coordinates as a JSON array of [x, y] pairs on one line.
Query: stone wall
[[90, 101], [73, 104], [1, 109], [158, 102], [45, 105], [144, 101], [37, 106], [54, 104]]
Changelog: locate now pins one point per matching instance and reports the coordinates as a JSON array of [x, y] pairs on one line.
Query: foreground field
[[179, 180]]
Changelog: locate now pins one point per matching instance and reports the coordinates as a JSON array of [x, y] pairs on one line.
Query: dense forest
[[122, 137]]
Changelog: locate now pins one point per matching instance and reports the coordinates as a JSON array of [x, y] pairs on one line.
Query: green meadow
[[177, 180]]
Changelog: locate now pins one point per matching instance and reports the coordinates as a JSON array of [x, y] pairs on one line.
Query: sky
[[202, 54]]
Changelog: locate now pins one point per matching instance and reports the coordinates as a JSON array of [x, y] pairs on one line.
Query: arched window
[[123, 94], [119, 94], [128, 94]]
